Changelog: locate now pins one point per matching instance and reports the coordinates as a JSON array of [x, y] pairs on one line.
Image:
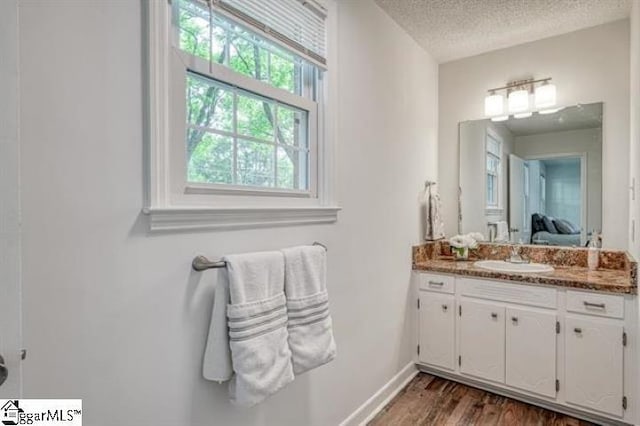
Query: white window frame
[[171, 202], [498, 208]]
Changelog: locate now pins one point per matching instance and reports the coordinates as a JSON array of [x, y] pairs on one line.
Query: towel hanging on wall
[[434, 226], [256, 322], [310, 326]]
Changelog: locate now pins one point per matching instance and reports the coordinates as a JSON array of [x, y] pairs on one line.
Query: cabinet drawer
[[604, 305], [440, 283], [543, 297]]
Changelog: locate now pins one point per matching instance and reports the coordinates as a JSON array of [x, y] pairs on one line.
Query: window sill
[[198, 218], [493, 211]]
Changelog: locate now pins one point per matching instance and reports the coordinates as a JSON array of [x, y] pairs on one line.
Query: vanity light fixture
[[518, 100]]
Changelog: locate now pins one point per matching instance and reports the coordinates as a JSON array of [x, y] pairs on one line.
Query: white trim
[[249, 86], [493, 211], [191, 219], [212, 188], [372, 406]]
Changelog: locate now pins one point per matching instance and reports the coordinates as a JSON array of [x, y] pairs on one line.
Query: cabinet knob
[[445, 307], [577, 330], [436, 283], [494, 315], [514, 319]]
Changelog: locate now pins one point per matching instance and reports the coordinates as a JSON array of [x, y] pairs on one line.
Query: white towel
[[217, 355], [310, 326], [434, 226], [502, 231], [257, 329]]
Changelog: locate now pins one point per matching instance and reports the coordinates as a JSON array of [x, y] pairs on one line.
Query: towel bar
[[201, 263]]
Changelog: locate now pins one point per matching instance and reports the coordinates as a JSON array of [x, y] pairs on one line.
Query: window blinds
[[299, 25]]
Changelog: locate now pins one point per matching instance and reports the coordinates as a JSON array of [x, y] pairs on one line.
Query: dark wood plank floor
[[429, 400]]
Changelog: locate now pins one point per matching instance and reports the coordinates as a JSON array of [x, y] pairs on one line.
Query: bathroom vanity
[[563, 340]]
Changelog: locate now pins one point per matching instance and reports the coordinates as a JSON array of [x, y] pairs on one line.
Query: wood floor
[[429, 400]]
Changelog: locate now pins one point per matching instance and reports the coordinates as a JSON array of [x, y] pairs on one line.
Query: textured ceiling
[[454, 29], [576, 117]]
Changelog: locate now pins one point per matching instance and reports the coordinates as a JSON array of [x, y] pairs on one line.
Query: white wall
[[114, 315], [634, 240], [590, 65], [587, 141], [9, 199]]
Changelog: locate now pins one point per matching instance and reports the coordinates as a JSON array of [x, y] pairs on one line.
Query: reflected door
[[517, 200]]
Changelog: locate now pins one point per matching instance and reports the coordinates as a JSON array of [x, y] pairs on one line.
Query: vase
[[460, 253]]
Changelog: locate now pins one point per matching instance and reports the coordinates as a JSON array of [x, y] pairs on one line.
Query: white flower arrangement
[[460, 244]]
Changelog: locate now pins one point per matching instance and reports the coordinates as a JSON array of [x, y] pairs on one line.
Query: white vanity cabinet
[[531, 350], [482, 340], [593, 361], [438, 309], [437, 340], [567, 350]]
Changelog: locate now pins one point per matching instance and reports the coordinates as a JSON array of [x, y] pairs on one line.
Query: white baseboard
[[367, 411]]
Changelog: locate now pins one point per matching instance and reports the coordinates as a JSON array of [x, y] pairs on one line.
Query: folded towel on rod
[[310, 327], [434, 226], [502, 231], [257, 329]]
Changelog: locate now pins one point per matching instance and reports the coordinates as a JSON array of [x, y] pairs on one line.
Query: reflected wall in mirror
[[537, 180]]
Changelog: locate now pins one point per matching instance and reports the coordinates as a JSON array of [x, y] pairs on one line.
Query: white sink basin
[[516, 268]]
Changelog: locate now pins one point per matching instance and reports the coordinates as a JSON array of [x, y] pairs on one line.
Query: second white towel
[[310, 327]]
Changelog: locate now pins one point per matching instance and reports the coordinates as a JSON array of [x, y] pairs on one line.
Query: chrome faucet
[[516, 257]]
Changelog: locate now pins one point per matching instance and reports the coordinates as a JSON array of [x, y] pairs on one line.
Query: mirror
[[536, 180]]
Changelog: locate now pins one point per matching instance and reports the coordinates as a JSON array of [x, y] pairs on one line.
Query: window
[[235, 136], [239, 138], [238, 113], [493, 165]]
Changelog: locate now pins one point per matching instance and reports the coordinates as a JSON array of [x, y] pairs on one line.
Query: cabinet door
[[482, 340], [593, 364], [531, 351], [437, 330]]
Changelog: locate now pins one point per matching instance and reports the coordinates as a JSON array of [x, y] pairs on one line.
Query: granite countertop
[[613, 281], [618, 272]]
